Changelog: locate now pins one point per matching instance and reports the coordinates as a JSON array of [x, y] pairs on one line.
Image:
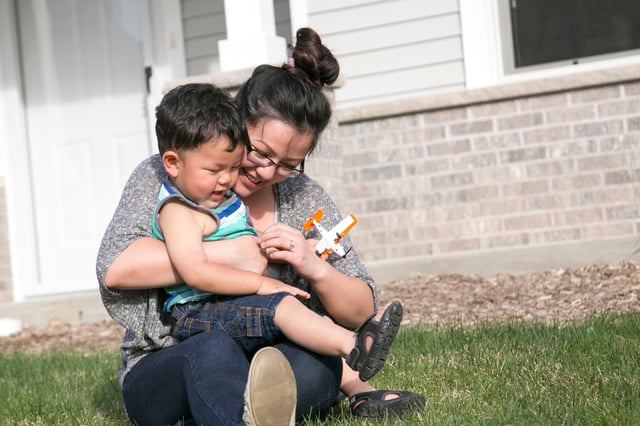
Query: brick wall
[[519, 165]]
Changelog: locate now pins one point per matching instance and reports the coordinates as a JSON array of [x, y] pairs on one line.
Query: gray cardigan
[[140, 311]]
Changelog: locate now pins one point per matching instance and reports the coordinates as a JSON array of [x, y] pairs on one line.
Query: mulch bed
[[549, 296]]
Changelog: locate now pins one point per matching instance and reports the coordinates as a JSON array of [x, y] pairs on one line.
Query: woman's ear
[[171, 163]]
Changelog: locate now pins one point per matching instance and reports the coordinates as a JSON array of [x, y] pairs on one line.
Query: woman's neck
[[262, 208]]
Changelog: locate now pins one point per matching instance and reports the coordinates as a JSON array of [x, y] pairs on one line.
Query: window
[[546, 31]]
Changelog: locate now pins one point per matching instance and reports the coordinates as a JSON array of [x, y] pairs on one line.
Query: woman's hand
[[283, 243], [348, 300]]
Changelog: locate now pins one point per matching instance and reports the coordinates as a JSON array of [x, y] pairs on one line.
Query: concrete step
[[73, 308]]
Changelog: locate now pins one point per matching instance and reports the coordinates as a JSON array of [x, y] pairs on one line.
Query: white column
[[481, 42], [251, 35], [299, 16]]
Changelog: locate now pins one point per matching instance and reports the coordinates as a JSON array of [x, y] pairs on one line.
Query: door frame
[[20, 218], [168, 63]]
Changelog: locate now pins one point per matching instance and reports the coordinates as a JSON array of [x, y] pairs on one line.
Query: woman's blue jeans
[[202, 380]]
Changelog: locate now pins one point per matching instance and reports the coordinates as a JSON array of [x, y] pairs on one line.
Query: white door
[[85, 94]]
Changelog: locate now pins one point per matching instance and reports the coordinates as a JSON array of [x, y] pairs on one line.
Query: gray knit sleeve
[[139, 311], [132, 218]]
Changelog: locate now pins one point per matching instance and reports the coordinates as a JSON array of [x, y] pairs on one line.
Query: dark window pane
[[555, 30]]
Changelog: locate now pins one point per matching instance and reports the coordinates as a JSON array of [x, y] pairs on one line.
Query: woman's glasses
[[263, 160]]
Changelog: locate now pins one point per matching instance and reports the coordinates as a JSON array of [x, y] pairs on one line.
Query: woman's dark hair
[[194, 113], [293, 92]]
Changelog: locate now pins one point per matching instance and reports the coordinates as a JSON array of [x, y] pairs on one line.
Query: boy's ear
[[171, 163]]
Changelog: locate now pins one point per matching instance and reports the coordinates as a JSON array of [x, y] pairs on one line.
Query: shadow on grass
[[107, 399]]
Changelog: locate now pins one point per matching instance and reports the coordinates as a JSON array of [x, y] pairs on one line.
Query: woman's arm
[[182, 229], [132, 217], [145, 263], [343, 285], [348, 299], [130, 258]]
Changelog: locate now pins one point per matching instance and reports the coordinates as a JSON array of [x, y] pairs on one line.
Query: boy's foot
[[373, 341], [270, 396]]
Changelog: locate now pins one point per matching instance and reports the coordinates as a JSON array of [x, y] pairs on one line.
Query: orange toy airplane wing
[[315, 218]]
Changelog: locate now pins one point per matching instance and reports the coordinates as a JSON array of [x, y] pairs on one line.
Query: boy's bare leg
[[316, 332], [351, 383], [313, 331]]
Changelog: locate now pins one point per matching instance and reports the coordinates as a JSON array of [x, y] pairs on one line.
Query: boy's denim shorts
[[250, 319]]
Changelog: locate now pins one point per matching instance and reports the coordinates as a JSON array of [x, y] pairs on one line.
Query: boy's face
[[205, 174]]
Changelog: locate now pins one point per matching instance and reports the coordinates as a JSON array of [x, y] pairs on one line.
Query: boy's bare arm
[[183, 228], [146, 264]]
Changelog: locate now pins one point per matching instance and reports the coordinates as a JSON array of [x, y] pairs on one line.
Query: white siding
[[391, 49], [388, 49], [203, 25]]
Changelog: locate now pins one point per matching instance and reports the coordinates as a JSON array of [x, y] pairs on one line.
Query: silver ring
[[292, 245]]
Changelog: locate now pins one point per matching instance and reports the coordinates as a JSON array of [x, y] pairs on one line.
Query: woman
[[286, 112]]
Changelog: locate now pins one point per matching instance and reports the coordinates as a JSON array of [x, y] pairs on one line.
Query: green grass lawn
[[505, 373]]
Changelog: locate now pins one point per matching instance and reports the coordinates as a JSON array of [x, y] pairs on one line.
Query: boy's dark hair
[[194, 113]]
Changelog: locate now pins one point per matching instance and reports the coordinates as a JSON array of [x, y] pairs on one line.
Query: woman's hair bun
[[312, 59]]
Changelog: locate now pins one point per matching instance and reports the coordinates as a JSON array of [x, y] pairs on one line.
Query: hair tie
[[291, 62]]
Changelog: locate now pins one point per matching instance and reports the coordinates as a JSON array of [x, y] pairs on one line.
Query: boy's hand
[[271, 286]]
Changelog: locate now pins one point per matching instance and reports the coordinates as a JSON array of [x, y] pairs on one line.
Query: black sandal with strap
[[374, 404], [369, 361]]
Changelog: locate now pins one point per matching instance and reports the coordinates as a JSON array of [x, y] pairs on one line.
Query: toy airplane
[[331, 238]]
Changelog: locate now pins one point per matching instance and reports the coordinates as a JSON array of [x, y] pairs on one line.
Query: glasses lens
[[258, 158], [294, 173], [262, 160]]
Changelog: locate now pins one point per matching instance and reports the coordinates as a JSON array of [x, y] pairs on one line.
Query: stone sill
[[495, 93]]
